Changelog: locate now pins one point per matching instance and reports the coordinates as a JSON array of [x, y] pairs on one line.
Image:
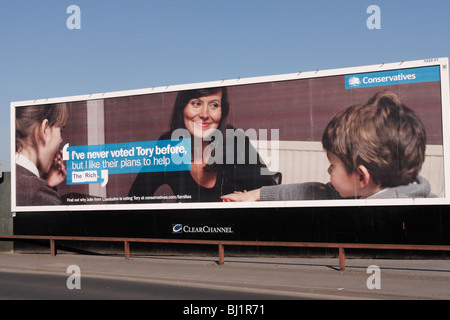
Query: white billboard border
[[445, 100]]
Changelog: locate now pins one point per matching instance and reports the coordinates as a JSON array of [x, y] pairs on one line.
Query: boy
[[376, 150]]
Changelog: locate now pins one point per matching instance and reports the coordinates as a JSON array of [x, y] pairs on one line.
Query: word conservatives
[[354, 81], [393, 77]]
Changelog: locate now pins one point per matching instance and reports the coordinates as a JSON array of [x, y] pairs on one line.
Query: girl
[[39, 166]]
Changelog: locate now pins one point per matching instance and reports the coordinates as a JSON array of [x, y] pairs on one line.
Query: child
[[39, 166], [376, 150]]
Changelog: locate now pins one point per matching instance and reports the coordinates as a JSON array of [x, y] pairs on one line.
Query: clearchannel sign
[[180, 228], [393, 77]]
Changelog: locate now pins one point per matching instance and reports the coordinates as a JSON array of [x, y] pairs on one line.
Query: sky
[[135, 44]]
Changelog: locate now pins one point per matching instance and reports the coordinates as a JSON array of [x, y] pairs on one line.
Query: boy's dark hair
[[384, 135]]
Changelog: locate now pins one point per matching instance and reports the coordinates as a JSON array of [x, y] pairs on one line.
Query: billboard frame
[[445, 100]]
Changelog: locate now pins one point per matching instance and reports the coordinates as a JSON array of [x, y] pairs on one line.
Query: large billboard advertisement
[[361, 136]]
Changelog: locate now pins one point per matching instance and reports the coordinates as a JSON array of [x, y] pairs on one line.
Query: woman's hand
[[57, 172], [237, 196]]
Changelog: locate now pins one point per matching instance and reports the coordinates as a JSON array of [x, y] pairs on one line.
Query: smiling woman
[[202, 113]]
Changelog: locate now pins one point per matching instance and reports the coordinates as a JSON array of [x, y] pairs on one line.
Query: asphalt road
[[42, 286], [40, 276]]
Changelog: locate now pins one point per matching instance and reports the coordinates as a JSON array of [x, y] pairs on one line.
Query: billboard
[[360, 136]]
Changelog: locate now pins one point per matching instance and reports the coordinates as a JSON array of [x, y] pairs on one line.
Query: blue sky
[[137, 44]]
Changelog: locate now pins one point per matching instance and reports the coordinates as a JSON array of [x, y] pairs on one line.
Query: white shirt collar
[[23, 161]]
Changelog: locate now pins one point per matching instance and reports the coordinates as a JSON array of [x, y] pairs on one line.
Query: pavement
[[312, 278]]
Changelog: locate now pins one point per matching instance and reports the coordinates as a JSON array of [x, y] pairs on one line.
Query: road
[[42, 286], [41, 276]]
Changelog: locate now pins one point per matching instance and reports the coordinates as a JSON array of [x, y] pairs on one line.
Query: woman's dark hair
[[182, 100], [184, 97]]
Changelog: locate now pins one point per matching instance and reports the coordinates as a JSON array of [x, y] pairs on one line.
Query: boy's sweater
[[320, 191]]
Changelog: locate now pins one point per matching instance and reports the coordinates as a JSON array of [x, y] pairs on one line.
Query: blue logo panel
[[392, 77]]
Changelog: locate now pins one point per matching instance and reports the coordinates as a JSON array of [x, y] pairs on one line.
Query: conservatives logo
[[393, 77], [354, 81], [179, 228]]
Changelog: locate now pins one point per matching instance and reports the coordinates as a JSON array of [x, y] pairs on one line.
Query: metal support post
[[341, 259], [127, 250], [221, 254], [52, 247]]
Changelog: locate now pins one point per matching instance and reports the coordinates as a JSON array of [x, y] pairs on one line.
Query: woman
[[203, 114], [39, 165]]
